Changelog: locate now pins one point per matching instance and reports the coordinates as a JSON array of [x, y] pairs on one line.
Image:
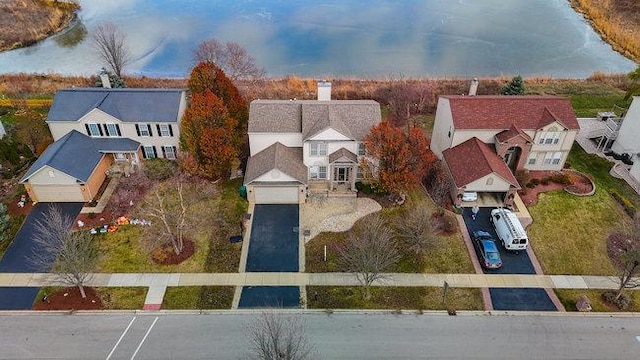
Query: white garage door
[[58, 193], [276, 194]]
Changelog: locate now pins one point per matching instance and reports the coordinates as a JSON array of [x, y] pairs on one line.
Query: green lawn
[[198, 297], [569, 297], [128, 250], [569, 232], [394, 298], [449, 255]]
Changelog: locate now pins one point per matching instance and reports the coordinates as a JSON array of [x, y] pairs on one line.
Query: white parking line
[[144, 338], [121, 337]]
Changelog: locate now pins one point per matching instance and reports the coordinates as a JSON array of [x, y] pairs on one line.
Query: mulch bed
[[580, 184], [166, 256], [70, 299], [14, 209], [94, 220]]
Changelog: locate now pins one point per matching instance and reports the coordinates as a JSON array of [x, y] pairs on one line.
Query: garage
[[57, 193], [276, 194]]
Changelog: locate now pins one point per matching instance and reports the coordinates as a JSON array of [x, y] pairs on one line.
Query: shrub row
[[562, 179]]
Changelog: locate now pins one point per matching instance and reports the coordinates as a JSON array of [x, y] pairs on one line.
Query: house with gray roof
[[100, 130], [73, 168], [306, 145]]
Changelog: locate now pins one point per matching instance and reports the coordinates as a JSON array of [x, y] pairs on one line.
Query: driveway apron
[[512, 263], [17, 257], [273, 247]]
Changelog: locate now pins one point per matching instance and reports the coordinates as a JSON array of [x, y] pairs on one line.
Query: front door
[[341, 175]]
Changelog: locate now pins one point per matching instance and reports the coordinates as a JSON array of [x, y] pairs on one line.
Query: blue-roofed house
[[73, 168], [97, 130], [148, 116]]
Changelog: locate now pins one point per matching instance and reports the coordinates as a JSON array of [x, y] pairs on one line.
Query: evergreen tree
[[514, 87]]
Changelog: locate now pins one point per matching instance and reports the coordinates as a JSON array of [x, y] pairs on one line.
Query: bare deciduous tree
[[624, 251], [167, 208], [414, 228], [175, 208], [276, 336], [74, 253], [111, 46], [231, 57], [369, 252], [407, 98]]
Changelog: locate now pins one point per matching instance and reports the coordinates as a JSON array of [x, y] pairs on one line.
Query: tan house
[[481, 137], [297, 145]]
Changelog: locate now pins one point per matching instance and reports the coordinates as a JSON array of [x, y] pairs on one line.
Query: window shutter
[[118, 130], [155, 153], [138, 129], [164, 152], [158, 127], [86, 126], [149, 129], [100, 129], [170, 130]]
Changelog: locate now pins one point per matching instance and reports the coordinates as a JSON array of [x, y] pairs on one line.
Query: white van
[[509, 229]]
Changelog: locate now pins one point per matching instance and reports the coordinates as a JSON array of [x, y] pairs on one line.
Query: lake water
[[331, 38]]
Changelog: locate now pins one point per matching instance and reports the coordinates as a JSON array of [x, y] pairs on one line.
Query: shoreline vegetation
[[25, 22], [617, 22]]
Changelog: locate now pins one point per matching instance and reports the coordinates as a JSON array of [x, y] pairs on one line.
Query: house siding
[[627, 141], [261, 141], [443, 130], [97, 177], [489, 183]]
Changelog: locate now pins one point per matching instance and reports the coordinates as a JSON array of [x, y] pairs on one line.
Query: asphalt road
[[334, 336], [16, 258], [512, 263]]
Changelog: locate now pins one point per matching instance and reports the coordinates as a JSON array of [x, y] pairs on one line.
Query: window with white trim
[[112, 130], [317, 149], [533, 156], [318, 172], [144, 130], [165, 130], [149, 152], [550, 137], [94, 130], [557, 156], [360, 173], [362, 149], [169, 152]]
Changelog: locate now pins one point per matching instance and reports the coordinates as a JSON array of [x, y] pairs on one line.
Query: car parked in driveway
[[490, 256]]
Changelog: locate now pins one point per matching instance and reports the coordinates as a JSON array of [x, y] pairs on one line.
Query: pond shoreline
[[29, 36]]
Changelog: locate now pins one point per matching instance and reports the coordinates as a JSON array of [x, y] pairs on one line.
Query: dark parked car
[[490, 256]]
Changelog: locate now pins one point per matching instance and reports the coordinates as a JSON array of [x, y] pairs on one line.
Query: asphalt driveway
[[512, 263], [273, 244], [269, 297], [16, 258]]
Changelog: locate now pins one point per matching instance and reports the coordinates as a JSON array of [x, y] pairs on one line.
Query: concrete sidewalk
[[160, 280]]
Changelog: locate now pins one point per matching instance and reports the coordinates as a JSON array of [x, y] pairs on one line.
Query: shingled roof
[[352, 118], [277, 156], [526, 112], [512, 132], [472, 160], [77, 155], [128, 105]]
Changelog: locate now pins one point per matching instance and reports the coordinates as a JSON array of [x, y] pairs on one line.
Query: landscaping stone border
[[593, 184]]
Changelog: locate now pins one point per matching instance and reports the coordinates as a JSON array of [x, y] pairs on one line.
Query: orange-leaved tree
[[397, 160], [208, 136], [207, 76]]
